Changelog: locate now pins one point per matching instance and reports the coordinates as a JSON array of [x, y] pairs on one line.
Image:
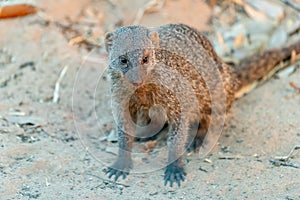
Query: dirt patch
[[55, 150]]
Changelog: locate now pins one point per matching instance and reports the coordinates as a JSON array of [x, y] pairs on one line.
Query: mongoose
[[175, 67]]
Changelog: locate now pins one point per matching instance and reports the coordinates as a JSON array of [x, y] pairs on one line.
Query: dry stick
[[151, 6], [230, 157], [291, 4], [286, 158], [57, 84], [279, 163], [295, 31], [283, 160]]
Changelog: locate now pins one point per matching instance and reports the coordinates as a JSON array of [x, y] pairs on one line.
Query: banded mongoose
[[176, 67]]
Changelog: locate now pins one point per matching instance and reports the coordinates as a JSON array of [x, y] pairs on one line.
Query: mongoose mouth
[[137, 84]]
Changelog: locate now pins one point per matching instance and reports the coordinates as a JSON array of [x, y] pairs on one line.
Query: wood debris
[[15, 9], [57, 85], [292, 4], [150, 7], [284, 160]]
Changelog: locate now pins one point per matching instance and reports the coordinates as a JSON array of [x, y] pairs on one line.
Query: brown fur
[[176, 67]]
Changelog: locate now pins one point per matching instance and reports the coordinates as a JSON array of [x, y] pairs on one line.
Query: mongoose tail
[[256, 69]]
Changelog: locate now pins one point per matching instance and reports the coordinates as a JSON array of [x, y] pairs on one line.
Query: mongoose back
[[174, 66]]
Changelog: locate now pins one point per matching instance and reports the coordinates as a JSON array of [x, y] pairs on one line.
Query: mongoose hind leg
[[197, 135], [196, 144]]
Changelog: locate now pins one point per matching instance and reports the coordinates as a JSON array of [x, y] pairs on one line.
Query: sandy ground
[[53, 151]]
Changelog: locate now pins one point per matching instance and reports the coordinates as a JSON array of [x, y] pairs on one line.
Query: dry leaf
[[154, 6], [239, 2], [76, 40], [151, 7], [293, 85], [212, 3], [221, 41], [151, 144], [270, 9], [239, 41], [255, 14], [16, 10]]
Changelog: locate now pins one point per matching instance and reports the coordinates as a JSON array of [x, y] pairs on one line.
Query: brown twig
[[297, 88]]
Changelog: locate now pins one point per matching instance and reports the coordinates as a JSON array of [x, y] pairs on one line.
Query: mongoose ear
[[154, 37], [109, 37]]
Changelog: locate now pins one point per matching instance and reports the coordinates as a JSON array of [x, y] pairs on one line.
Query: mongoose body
[[173, 66]]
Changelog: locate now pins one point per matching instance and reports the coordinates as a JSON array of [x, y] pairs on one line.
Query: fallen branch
[[284, 160], [150, 7], [279, 163], [230, 157], [290, 155], [291, 4]]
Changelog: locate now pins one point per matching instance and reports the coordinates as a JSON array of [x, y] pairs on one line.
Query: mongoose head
[[132, 52]]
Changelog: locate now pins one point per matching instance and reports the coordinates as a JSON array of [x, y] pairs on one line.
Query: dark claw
[[124, 175], [196, 144], [179, 177], [174, 173], [111, 171]]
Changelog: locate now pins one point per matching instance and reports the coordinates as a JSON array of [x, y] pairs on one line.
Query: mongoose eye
[[123, 60], [145, 60]]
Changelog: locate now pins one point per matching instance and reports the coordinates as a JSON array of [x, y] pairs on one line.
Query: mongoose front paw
[[174, 173], [111, 171], [118, 170]]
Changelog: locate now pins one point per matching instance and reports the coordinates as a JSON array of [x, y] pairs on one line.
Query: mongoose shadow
[[175, 66]]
